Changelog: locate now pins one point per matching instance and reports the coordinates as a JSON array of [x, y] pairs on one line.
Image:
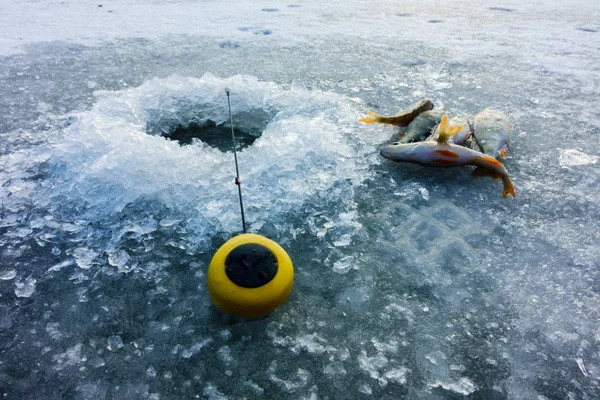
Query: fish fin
[[503, 152], [480, 171], [508, 188], [371, 118], [447, 131]]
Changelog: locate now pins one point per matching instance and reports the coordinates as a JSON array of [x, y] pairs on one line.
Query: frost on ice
[[410, 281]]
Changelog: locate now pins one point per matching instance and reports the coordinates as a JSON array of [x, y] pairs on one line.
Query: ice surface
[[574, 157], [25, 287], [7, 274], [410, 282]]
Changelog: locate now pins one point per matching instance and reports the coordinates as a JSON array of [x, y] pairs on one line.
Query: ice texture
[[25, 287], [410, 282]]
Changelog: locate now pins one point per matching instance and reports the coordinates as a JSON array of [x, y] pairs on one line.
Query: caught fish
[[461, 137], [444, 154], [421, 127], [492, 130], [403, 118]]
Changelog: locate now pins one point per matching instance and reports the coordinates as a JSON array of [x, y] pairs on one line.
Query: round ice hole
[[213, 134], [248, 126]]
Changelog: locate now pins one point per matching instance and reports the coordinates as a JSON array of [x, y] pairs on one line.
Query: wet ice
[[410, 282]]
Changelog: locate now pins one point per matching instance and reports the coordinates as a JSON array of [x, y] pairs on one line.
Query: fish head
[[399, 153]]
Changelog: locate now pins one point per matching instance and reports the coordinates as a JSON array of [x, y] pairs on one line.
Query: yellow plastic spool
[[250, 276]]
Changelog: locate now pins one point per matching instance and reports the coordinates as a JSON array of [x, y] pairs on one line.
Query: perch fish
[[403, 118], [492, 130], [444, 154]]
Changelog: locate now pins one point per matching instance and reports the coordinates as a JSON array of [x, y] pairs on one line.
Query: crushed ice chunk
[[84, 257], [7, 274], [61, 265], [212, 393], [343, 265], [98, 362], [464, 386], [256, 389], [335, 368], [343, 241], [372, 365], [114, 343], [397, 375], [151, 372], [365, 389], [118, 258], [52, 329], [431, 358], [168, 222], [195, 348], [573, 157], [26, 287], [225, 334], [312, 343], [79, 277], [581, 366], [69, 358], [290, 386], [396, 309], [413, 191], [386, 348], [224, 354]]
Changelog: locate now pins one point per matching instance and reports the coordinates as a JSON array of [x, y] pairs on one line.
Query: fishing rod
[[250, 275], [237, 170]]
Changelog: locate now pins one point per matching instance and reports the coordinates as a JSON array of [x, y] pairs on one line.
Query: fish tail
[[372, 118], [508, 187]]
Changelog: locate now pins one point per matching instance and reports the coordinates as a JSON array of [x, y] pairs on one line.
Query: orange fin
[[508, 188], [371, 118], [446, 131], [503, 152]]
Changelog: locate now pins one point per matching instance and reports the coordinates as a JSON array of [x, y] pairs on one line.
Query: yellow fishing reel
[[250, 276]]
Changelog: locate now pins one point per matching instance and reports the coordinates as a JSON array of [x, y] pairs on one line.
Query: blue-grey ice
[[410, 282]]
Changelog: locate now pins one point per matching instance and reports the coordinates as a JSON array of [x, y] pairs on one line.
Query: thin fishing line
[[237, 170]]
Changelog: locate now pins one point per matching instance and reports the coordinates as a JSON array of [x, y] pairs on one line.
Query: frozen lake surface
[[411, 282]]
